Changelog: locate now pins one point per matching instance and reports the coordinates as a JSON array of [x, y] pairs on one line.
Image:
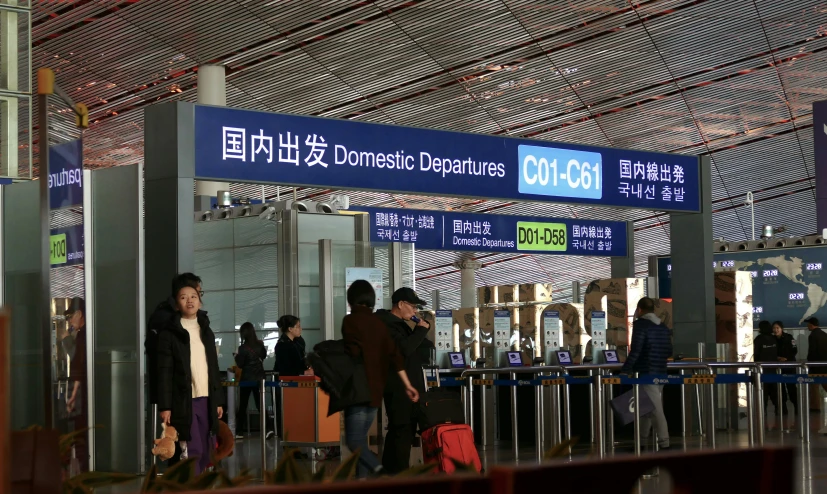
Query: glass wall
[[237, 260], [312, 228]]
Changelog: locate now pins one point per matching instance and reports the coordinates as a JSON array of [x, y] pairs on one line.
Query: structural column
[[692, 273], [468, 288], [212, 90], [624, 267]]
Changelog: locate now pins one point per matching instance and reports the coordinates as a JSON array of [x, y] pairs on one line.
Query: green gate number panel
[[57, 249]]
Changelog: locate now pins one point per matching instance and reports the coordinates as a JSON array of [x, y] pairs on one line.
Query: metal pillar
[[288, 261], [692, 273], [750, 409], [515, 444], [326, 290], [597, 425], [468, 288], [637, 416], [759, 406], [212, 90]]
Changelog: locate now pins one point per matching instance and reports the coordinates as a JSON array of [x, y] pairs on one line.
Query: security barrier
[[702, 377]]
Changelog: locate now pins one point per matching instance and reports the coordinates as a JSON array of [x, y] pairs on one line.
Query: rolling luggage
[[445, 436]]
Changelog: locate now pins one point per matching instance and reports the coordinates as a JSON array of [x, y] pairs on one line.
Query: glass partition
[[237, 260]]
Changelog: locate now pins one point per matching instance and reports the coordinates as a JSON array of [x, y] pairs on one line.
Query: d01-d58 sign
[[250, 146]]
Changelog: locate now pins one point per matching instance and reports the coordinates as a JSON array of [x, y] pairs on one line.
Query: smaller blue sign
[[435, 230], [598, 314], [551, 313], [444, 313], [502, 313], [66, 175]]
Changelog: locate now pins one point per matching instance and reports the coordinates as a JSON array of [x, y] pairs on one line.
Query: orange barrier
[[304, 414], [757, 471]]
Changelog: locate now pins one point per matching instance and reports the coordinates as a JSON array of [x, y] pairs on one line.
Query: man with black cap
[[76, 400], [817, 343], [416, 349]]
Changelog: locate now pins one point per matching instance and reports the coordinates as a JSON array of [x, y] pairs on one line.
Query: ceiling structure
[[734, 79]]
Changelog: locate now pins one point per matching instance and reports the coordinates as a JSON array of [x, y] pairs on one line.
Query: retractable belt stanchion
[[273, 391], [683, 407], [804, 408], [591, 408], [154, 421], [597, 426], [636, 388], [515, 443], [780, 404], [750, 409], [759, 406], [610, 417], [538, 419], [710, 438], [566, 409], [263, 425]]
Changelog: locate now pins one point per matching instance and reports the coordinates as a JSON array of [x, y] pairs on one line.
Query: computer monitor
[[564, 357], [610, 356], [457, 360], [515, 359]]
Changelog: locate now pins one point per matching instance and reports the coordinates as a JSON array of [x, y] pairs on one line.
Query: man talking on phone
[[416, 349]]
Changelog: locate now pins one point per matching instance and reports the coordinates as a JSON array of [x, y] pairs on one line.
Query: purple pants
[[200, 444]]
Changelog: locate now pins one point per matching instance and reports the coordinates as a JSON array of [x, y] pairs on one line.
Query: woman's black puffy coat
[[175, 377], [250, 359]]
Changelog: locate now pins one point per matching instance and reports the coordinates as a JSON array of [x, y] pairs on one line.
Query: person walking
[[77, 399], [650, 349], [250, 358], [787, 351], [817, 351], [190, 396], [415, 348], [765, 349], [367, 341]]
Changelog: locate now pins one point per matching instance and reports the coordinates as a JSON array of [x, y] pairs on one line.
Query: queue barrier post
[[636, 388], [262, 415], [597, 426], [750, 409]]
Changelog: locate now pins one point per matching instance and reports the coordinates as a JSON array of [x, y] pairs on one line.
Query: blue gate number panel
[[251, 146], [436, 230]]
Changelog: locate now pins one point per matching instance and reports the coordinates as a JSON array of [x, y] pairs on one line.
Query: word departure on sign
[[249, 146], [66, 175], [436, 230]]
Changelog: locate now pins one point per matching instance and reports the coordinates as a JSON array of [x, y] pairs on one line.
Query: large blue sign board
[[788, 285], [66, 175], [439, 230], [251, 146]]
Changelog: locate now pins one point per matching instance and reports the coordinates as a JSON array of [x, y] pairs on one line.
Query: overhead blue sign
[[251, 146], [66, 175], [438, 230]]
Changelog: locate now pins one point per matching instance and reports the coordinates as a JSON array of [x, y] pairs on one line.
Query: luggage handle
[[435, 369]]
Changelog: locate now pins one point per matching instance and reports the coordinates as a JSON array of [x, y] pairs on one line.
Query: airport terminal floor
[[810, 471]]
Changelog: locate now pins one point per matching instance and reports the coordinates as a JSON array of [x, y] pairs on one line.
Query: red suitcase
[[442, 443]]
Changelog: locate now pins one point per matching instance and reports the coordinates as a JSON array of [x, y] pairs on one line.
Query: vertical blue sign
[[66, 175]]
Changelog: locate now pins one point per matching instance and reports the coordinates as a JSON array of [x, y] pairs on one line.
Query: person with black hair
[[77, 399], [160, 319], [765, 349], [817, 351], [190, 396], [787, 351], [367, 340], [290, 349], [250, 358]]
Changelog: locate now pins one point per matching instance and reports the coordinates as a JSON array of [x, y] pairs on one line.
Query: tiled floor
[[811, 463]]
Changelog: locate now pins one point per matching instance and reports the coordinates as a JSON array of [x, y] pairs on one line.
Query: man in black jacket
[[765, 349], [787, 350], [160, 319], [416, 349]]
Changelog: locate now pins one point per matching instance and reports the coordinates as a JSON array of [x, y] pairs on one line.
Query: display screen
[[457, 360], [564, 357], [515, 359], [610, 356]]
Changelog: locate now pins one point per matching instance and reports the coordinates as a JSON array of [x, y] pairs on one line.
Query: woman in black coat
[[190, 397], [249, 358], [290, 348]]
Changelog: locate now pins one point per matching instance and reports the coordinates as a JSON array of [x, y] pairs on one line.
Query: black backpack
[[342, 377]]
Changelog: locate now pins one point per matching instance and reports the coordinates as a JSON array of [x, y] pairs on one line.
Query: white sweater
[[198, 359]]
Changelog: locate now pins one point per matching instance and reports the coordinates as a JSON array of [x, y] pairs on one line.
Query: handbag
[[624, 406]]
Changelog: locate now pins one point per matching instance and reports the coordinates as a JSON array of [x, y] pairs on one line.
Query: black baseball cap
[[812, 320], [76, 304], [406, 294]]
